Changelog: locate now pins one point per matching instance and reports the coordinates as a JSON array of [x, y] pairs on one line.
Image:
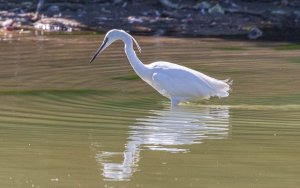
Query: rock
[[124, 4], [56, 24], [117, 2], [159, 32], [54, 8], [163, 17], [81, 13], [134, 19], [297, 13], [204, 6], [8, 24], [297, 17], [279, 12], [169, 4], [284, 2], [217, 9], [254, 33]]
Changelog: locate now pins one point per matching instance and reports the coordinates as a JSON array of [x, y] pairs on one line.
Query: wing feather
[[183, 82]]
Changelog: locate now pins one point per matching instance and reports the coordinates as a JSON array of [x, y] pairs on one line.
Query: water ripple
[[166, 130]]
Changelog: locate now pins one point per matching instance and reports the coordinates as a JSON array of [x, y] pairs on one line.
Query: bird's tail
[[228, 81], [222, 88]]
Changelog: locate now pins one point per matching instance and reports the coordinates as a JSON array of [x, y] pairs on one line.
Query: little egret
[[176, 82]]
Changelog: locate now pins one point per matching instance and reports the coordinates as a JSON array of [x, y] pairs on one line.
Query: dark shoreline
[[229, 19]]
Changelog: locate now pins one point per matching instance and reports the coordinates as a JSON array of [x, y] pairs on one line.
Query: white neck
[[140, 69]]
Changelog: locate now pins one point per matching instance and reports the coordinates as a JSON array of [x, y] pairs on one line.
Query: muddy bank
[[251, 19]]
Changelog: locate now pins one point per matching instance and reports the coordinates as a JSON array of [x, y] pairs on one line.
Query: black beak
[[99, 50]]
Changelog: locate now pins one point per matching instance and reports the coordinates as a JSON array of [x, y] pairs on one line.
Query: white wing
[[173, 80]]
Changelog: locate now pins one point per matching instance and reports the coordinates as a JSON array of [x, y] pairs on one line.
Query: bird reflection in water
[[166, 130]]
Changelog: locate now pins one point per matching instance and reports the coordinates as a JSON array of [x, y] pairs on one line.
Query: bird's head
[[111, 37]]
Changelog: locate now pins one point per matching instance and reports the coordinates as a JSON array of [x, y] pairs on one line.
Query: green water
[[65, 123]]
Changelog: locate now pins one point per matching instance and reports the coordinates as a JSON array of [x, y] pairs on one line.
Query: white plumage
[[176, 82]]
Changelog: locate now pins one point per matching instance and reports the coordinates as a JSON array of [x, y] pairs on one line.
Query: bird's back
[[173, 80]]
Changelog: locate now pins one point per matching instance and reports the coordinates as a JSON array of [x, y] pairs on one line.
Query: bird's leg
[[174, 102]]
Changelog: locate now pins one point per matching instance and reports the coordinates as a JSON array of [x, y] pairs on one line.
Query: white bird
[[176, 82]]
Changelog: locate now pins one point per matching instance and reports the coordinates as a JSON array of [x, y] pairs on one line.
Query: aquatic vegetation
[[294, 60], [288, 47], [127, 77]]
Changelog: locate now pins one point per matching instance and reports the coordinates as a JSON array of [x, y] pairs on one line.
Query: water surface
[[65, 123]]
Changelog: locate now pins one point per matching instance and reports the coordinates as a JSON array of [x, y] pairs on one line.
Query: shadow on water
[[169, 130]]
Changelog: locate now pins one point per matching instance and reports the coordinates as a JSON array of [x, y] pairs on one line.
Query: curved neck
[[140, 69]]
